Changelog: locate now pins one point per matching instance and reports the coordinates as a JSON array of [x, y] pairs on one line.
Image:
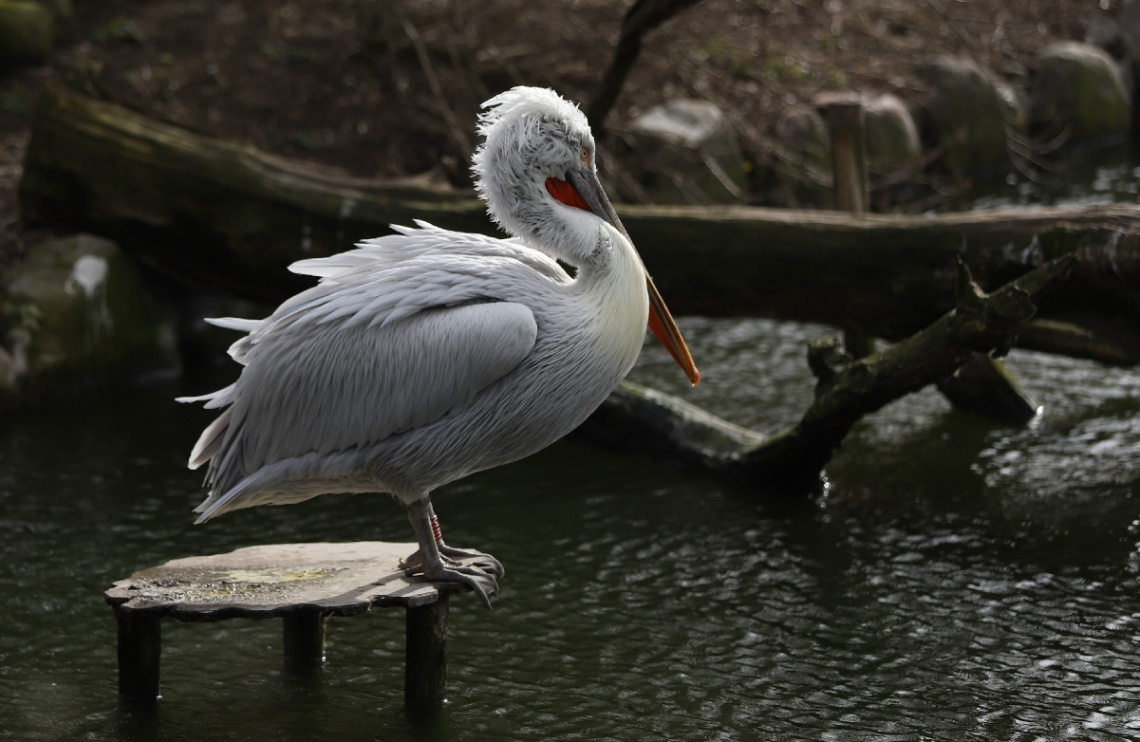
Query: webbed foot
[[471, 576], [450, 554], [438, 562]]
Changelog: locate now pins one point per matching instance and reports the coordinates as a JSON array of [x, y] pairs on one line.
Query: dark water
[[957, 580], [1101, 176]]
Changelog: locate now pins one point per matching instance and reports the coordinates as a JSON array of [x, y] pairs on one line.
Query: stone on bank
[[76, 314], [27, 33], [686, 151], [1077, 92], [965, 115]]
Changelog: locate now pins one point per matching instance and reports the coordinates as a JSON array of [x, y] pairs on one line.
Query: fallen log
[[649, 423], [226, 216]]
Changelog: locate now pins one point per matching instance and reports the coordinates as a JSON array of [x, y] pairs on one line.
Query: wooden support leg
[[140, 653], [425, 669], [304, 640]]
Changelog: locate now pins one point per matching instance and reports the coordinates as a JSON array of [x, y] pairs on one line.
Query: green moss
[[77, 313], [119, 28], [1078, 90], [27, 33]]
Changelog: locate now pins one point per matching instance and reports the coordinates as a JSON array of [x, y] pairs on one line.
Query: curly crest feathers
[[529, 134]]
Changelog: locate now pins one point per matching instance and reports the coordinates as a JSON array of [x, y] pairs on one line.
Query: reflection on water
[[957, 579]]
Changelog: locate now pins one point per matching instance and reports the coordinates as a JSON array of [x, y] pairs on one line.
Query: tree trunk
[[226, 216]]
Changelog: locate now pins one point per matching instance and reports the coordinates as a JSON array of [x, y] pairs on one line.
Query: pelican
[[427, 355]]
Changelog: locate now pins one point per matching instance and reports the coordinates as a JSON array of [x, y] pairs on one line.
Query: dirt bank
[[386, 88]]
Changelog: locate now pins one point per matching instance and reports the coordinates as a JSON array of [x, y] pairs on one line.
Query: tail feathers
[[235, 323], [210, 442], [212, 505], [213, 400], [289, 481]]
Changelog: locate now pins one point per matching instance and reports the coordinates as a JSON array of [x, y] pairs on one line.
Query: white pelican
[[427, 355]]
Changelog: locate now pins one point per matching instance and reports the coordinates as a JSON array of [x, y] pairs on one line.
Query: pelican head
[[531, 136], [536, 170]]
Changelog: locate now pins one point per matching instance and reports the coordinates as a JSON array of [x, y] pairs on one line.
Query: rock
[[805, 154], [8, 378], [803, 133], [63, 10], [1013, 107], [78, 315], [890, 133], [27, 33], [1077, 90], [1120, 39], [963, 113], [686, 152]]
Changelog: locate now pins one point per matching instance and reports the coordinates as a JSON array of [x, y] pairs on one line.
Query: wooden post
[[140, 655], [844, 116], [425, 665], [304, 640]]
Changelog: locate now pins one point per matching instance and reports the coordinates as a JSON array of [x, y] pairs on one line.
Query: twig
[[954, 27], [454, 129], [642, 17]]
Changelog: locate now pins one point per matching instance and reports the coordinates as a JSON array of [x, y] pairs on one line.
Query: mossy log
[[649, 423], [227, 216]]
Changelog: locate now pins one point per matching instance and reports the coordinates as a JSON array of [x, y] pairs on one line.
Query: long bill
[[661, 322]]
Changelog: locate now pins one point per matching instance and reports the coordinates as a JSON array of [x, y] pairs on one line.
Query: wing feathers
[[329, 391], [210, 441], [398, 333]]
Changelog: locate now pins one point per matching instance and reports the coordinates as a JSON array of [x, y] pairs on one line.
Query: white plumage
[[427, 355]]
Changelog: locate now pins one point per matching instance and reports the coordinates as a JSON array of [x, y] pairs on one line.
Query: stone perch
[[304, 585]]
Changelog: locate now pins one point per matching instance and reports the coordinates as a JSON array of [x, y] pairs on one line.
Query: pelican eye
[[584, 156]]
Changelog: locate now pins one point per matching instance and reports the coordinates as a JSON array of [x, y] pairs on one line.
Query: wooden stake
[[425, 666], [844, 115], [140, 655], [304, 640]]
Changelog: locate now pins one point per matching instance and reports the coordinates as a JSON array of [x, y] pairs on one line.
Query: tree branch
[[649, 423]]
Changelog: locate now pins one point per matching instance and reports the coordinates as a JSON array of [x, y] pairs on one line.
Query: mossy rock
[[77, 314], [27, 33], [1013, 107], [63, 10], [965, 116], [890, 133], [805, 154], [9, 378], [686, 152], [1077, 91]]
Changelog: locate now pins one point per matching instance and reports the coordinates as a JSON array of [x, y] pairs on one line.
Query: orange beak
[[582, 190], [663, 327]]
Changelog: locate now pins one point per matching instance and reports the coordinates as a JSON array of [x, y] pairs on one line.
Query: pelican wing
[[334, 389], [384, 344]]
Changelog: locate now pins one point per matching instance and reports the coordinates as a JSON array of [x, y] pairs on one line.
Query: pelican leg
[[431, 564], [479, 559]]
